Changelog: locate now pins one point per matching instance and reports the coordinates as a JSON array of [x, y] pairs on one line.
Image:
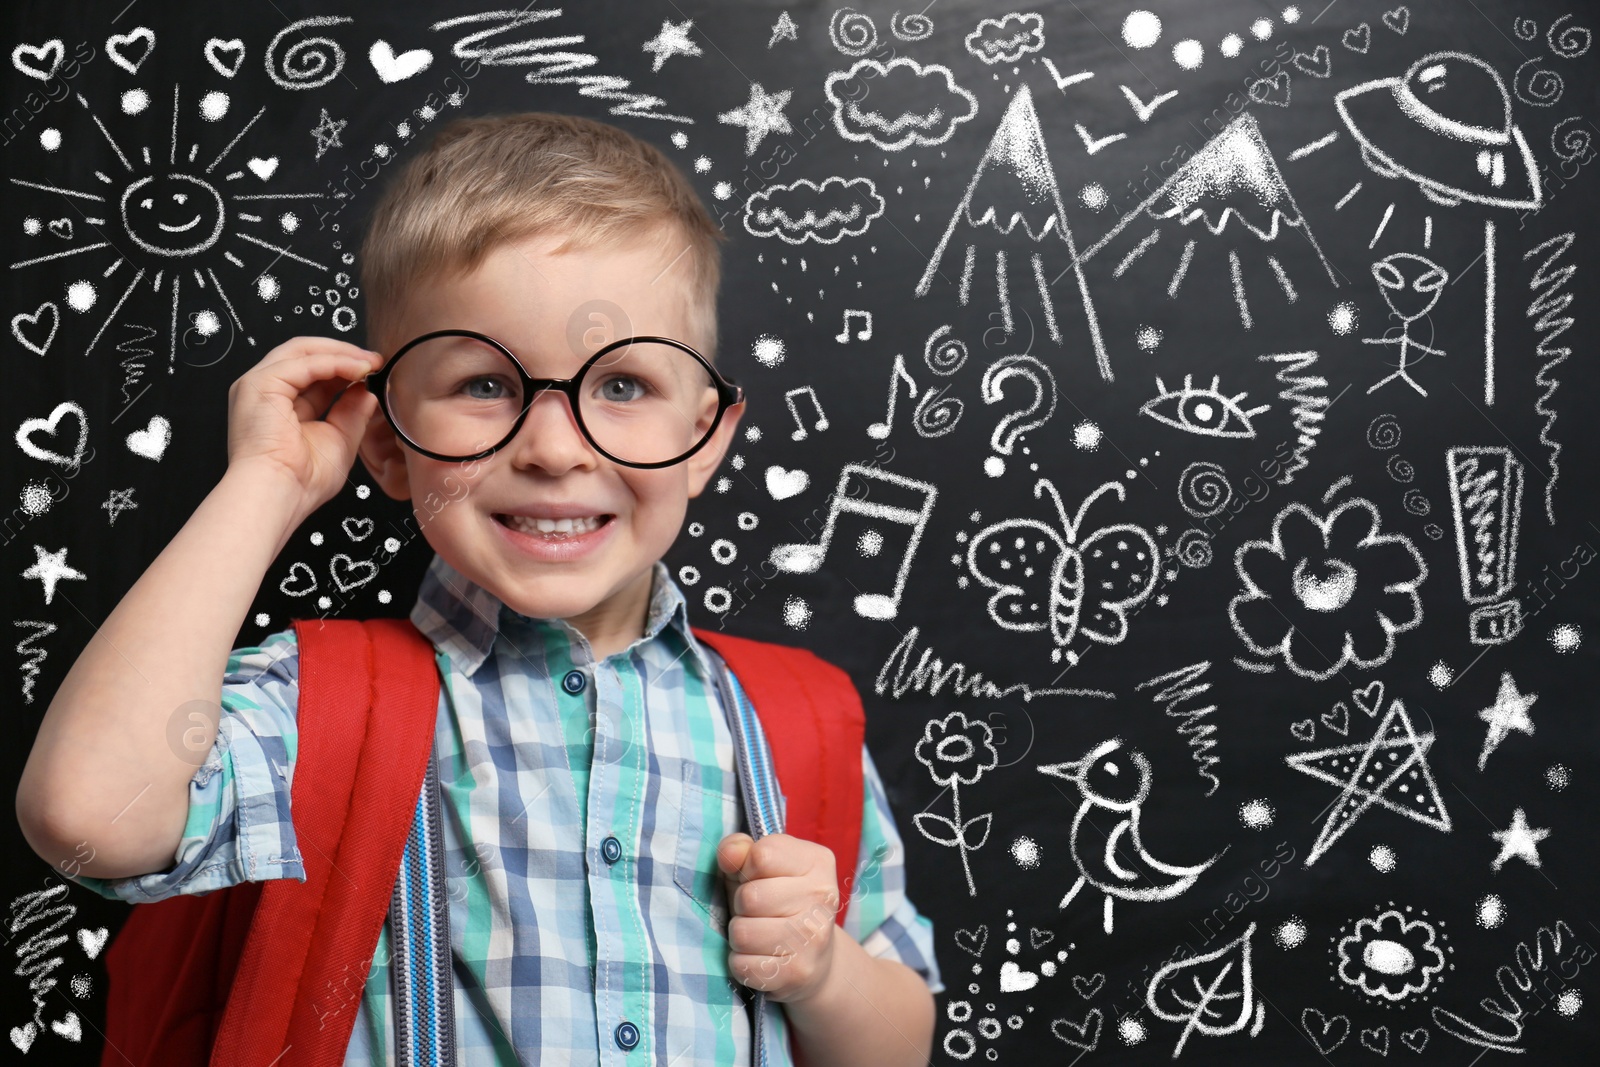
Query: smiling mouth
[[191, 224], [554, 529]]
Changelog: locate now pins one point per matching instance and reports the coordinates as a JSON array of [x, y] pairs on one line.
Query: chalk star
[[50, 568], [1510, 712], [119, 501], [783, 30], [761, 115], [671, 41], [326, 131], [1519, 841]]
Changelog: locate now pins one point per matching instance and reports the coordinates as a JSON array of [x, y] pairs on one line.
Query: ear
[[704, 463], [384, 457]]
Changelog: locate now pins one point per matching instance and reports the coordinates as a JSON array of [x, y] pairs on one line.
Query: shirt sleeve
[[880, 915], [239, 828]]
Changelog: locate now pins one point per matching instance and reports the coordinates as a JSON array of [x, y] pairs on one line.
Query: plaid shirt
[[553, 947]]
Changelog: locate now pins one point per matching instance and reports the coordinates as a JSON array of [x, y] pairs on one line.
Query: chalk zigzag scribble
[[1550, 322], [1179, 687]]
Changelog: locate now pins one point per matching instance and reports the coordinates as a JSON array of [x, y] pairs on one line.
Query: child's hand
[[783, 892], [273, 411]]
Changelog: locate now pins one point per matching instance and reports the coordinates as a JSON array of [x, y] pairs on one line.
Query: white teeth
[[559, 527]]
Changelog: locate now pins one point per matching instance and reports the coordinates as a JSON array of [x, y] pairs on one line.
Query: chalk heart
[[46, 58], [300, 581], [29, 329], [1338, 719], [130, 50], [357, 529], [1415, 1040], [263, 168], [23, 1036], [1040, 938], [973, 940], [1273, 90], [32, 426], [1376, 1040], [1014, 979], [1325, 1033], [1087, 985], [225, 57], [1084, 1035], [783, 484], [151, 442], [1398, 20], [70, 1028], [1304, 730], [62, 228], [1369, 698], [92, 941], [393, 68], [1318, 64], [1359, 39], [350, 573]]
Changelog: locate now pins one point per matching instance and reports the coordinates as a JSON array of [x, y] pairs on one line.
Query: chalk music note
[[879, 430], [799, 433], [899, 506], [863, 334]]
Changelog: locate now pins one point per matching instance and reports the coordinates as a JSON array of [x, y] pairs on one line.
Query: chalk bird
[[1116, 780]]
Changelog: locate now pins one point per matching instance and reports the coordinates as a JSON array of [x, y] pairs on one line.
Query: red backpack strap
[[364, 740], [814, 724]]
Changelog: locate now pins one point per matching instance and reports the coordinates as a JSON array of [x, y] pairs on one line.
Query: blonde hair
[[485, 181]]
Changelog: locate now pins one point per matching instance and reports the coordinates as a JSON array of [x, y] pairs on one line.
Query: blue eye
[[1202, 410]]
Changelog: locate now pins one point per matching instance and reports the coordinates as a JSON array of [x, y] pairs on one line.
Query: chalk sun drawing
[[1114, 782]]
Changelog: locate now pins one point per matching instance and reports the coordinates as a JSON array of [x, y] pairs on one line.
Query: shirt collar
[[463, 619]]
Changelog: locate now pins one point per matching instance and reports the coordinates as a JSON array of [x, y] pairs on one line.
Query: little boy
[[578, 725]]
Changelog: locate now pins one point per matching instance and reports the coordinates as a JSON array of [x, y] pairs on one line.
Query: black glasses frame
[[728, 394]]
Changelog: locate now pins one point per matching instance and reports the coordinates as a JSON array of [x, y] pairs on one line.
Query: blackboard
[[1171, 416]]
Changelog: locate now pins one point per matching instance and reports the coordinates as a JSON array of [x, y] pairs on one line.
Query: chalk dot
[[82, 985], [1382, 858], [135, 101], [403, 130], [1231, 45], [723, 485], [737, 463], [718, 600], [1013, 946], [381, 150], [31, 227], [213, 105], [1569, 1002], [1342, 319], [1261, 29], [363, 492], [262, 619], [315, 538], [1141, 29], [289, 221], [994, 466], [324, 603], [1491, 911], [206, 323], [1087, 436], [870, 543], [1566, 637], [702, 164], [796, 613], [1147, 338], [1440, 674], [722, 190], [1047, 968], [36, 499], [1256, 814], [768, 350], [1291, 933], [384, 596], [1093, 196], [1188, 54], [1558, 776], [1291, 15], [1025, 850], [267, 287], [391, 545], [695, 529], [688, 575], [680, 139], [80, 296], [747, 519], [752, 433], [1131, 1030], [50, 139]]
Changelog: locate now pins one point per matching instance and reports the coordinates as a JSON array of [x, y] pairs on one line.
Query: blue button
[[627, 1036], [611, 850], [574, 682]]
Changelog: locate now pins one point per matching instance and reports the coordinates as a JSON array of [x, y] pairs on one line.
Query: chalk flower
[[1391, 957], [957, 749]]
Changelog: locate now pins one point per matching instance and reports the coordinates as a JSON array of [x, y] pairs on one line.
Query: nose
[[549, 437]]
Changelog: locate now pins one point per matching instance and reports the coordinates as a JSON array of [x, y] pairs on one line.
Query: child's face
[[541, 307]]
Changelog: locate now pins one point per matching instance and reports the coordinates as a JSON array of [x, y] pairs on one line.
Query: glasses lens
[[647, 402], [455, 395]]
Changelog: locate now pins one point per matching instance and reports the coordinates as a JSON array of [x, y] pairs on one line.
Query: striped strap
[[419, 930]]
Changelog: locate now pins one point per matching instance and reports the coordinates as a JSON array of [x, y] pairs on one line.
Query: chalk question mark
[[1016, 423]]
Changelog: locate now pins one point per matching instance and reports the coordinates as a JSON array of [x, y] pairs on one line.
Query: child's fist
[[783, 893], [274, 409]]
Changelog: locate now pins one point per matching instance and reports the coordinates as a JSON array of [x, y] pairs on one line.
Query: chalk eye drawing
[[1486, 502], [1204, 410], [924, 105], [1009, 430], [1071, 584], [1016, 160], [1508, 712], [1325, 592], [957, 751], [805, 211], [49, 568], [1393, 957], [1208, 999], [1114, 782], [760, 115], [1006, 39], [1389, 771], [898, 512], [1411, 285]]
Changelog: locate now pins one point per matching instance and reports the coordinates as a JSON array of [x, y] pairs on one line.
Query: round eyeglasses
[[642, 401]]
